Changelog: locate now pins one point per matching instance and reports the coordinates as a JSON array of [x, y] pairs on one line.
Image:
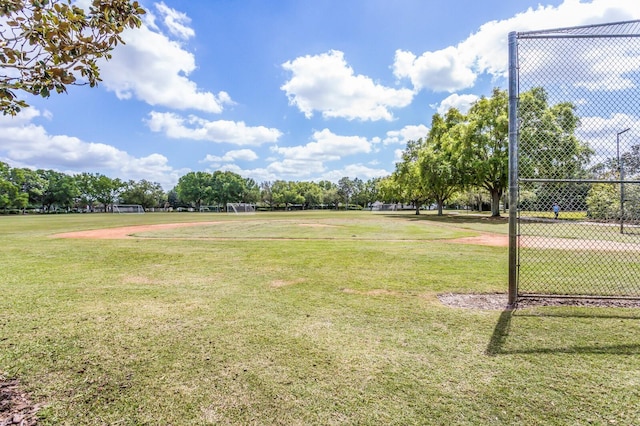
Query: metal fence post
[[513, 168]]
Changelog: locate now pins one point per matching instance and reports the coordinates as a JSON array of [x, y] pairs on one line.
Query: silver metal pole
[[621, 177], [513, 168]]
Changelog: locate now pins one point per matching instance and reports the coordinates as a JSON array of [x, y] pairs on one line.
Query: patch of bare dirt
[[285, 283], [494, 240], [561, 301], [499, 301], [15, 406], [374, 292], [126, 231], [488, 301]]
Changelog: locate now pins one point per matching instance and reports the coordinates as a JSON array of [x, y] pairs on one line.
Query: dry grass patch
[[374, 292], [285, 283]]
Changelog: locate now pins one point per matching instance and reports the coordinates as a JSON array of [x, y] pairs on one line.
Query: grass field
[[294, 319]]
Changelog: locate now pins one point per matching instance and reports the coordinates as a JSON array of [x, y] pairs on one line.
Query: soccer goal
[[241, 208], [381, 207], [127, 208]]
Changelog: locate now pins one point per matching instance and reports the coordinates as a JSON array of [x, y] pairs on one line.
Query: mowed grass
[[296, 318]]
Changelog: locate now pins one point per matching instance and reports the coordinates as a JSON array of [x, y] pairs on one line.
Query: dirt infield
[[126, 231], [485, 239], [495, 240]]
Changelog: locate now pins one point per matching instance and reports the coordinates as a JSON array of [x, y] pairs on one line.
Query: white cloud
[[231, 156], [155, 69], [31, 145], [176, 22], [305, 161], [354, 170], [441, 71], [397, 155], [235, 132], [601, 134], [407, 133], [457, 67], [326, 83], [460, 102], [326, 146]]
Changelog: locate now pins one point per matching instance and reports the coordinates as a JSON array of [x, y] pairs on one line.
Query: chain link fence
[[576, 161]]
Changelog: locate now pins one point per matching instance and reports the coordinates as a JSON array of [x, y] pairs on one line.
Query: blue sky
[[287, 89]]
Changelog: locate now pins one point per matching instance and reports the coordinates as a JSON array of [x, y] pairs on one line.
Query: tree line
[[52, 191], [462, 161]]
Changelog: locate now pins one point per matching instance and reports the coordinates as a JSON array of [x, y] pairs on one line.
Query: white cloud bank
[[460, 102], [327, 84], [458, 67], [407, 133], [155, 69], [238, 133], [29, 145]]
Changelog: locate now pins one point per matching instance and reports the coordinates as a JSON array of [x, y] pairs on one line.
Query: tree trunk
[[440, 204], [495, 203], [417, 208]]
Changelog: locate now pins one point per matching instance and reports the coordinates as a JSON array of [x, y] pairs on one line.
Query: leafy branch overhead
[[46, 45]]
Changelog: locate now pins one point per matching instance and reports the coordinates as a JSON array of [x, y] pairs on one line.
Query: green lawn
[[296, 318]]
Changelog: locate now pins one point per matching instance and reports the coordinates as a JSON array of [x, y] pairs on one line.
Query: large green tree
[[61, 190], [226, 187], [47, 45], [549, 149], [195, 188], [286, 193], [484, 146], [147, 194], [10, 195], [346, 189], [440, 168], [408, 179]]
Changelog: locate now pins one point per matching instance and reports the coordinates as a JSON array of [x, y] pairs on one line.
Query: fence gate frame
[[600, 35]]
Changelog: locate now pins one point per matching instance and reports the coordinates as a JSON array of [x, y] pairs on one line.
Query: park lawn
[[268, 330]]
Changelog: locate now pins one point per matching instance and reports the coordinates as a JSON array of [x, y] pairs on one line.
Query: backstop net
[[575, 161]]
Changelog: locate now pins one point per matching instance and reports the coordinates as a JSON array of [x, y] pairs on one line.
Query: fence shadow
[[500, 333], [502, 330]]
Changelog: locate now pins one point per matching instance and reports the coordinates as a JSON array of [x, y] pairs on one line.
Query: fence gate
[[574, 135]]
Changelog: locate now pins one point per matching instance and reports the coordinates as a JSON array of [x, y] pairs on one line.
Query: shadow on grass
[[500, 333], [503, 327]]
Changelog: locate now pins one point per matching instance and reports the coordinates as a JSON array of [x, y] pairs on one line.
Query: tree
[[10, 195], [368, 192], [250, 191], [485, 146], [286, 193], [61, 190], [440, 169], [46, 45], [195, 188], [330, 195], [549, 149], [389, 190], [311, 192], [346, 188], [266, 194], [407, 176], [86, 191], [226, 187], [147, 194], [29, 182], [106, 190]]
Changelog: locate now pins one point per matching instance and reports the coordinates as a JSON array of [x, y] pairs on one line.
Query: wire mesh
[[578, 161]]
